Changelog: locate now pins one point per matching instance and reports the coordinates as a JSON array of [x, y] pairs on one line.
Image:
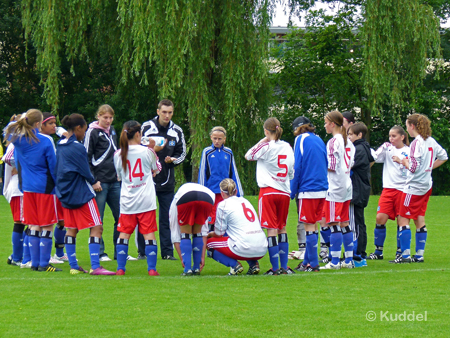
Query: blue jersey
[[216, 165], [311, 167], [35, 163]]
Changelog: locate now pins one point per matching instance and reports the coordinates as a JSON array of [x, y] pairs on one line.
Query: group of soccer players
[[45, 187]]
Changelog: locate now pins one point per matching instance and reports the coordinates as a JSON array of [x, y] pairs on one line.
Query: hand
[[210, 234], [153, 173], [14, 172], [396, 159], [65, 134], [202, 263], [97, 186], [169, 159]]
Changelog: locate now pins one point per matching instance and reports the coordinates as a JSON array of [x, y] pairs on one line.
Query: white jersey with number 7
[[275, 164]]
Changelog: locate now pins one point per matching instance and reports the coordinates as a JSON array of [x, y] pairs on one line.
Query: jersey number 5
[[137, 170], [248, 213], [347, 157], [282, 166]]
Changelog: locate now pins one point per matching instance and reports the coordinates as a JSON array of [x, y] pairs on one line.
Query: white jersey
[[340, 160], [394, 174], [237, 217], [422, 155], [137, 194], [275, 164], [11, 182], [173, 211]]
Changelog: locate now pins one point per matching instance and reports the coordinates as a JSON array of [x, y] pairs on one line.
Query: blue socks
[[122, 253], [379, 237], [335, 244], [197, 248], [273, 252], [26, 248], [17, 242], [405, 241], [186, 251], [60, 233], [311, 249], [225, 260], [151, 251], [421, 240], [71, 251], [347, 239], [94, 249], [34, 242], [283, 247], [45, 247]]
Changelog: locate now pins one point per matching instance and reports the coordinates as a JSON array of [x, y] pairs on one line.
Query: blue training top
[[35, 164], [311, 166]]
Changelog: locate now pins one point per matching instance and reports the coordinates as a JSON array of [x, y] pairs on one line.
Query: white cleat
[[299, 255], [331, 266], [63, 258], [350, 265], [53, 260], [131, 258], [27, 265]]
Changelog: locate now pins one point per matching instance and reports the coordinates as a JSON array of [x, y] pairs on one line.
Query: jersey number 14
[[137, 170]]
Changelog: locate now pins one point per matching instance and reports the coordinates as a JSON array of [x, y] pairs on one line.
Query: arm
[[380, 153], [173, 220], [298, 167], [202, 169], [258, 150], [220, 227], [441, 156], [9, 156], [156, 165], [51, 159], [179, 153], [83, 164], [235, 177], [90, 141], [332, 155]]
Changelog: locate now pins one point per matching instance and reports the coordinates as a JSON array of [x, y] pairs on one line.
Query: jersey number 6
[[248, 213]]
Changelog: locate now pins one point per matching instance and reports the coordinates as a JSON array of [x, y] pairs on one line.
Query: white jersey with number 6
[[137, 194], [237, 217], [275, 164], [422, 155], [340, 162]]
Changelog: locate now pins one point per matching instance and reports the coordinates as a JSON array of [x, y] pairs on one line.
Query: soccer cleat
[[169, 258], [331, 266], [236, 270], [120, 272], [131, 258], [196, 272], [325, 260], [253, 270], [34, 268], [104, 258], [374, 256], [153, 273], [54, 260], [187, 273], [300, 254], [401, 260], [398, 254], [77, 271], [311, 269], [101, 271], [16, 263], [414, 259], [302, 267], [26, 265], [63, 258], [270, 272], [323, 253], [360, 264], [8, 261], [48, 268], [349, 265], [141, 257], [288, 271]]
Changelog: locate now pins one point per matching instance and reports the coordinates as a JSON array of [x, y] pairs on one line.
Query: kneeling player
[[244, 240], [135, 165]]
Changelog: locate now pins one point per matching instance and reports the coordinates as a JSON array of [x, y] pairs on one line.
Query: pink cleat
[[153, 273], [120, 272], [101, 271]]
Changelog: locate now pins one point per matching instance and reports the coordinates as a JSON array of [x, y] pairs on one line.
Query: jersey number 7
[[137, 170]]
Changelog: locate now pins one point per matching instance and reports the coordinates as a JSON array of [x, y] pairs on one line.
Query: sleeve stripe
[[257, 148], [183, 154], [413, 166]]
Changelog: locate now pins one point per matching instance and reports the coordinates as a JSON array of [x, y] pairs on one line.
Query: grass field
[[327, 303]]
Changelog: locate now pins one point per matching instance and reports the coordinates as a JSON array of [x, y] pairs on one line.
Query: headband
[[48, 118]]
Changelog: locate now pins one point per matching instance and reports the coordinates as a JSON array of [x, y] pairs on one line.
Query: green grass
[[328, 303]]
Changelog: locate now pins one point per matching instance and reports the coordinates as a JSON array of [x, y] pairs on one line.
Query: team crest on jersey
[[172, 143]]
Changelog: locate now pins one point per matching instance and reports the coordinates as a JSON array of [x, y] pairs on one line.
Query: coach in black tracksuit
[[173, 153]]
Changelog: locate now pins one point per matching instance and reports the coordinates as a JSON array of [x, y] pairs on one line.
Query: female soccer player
[[310, 183], [217, 163], [101, 144], [244, 240], [274, 169], [341, 154], [394, 178], [75, 187], [425, 155], [188, 217], [35, 161], [136, 165]]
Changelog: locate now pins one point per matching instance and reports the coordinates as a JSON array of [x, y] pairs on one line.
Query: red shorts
[[59, 210], [310, 210], [221, 244], [212, 216], [39, 209], [195, 212], [84, 217], [16, 208], [336, 211], [389, 202], [413, 206], [273, 207], [146, 222]]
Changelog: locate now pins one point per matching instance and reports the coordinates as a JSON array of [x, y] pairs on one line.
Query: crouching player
[[135, 165], [188, 215], [75, 187], [244, 240]]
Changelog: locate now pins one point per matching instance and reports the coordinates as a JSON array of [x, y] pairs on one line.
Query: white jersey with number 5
[[422, 155], [137, 194], [275, 164], [340, 162], [238, 218]]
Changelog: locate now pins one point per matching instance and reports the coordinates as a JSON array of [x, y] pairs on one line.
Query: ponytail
[[336, 117], [422, 124], [274, 127], [228, 187], [24, 126], [130, 128]]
